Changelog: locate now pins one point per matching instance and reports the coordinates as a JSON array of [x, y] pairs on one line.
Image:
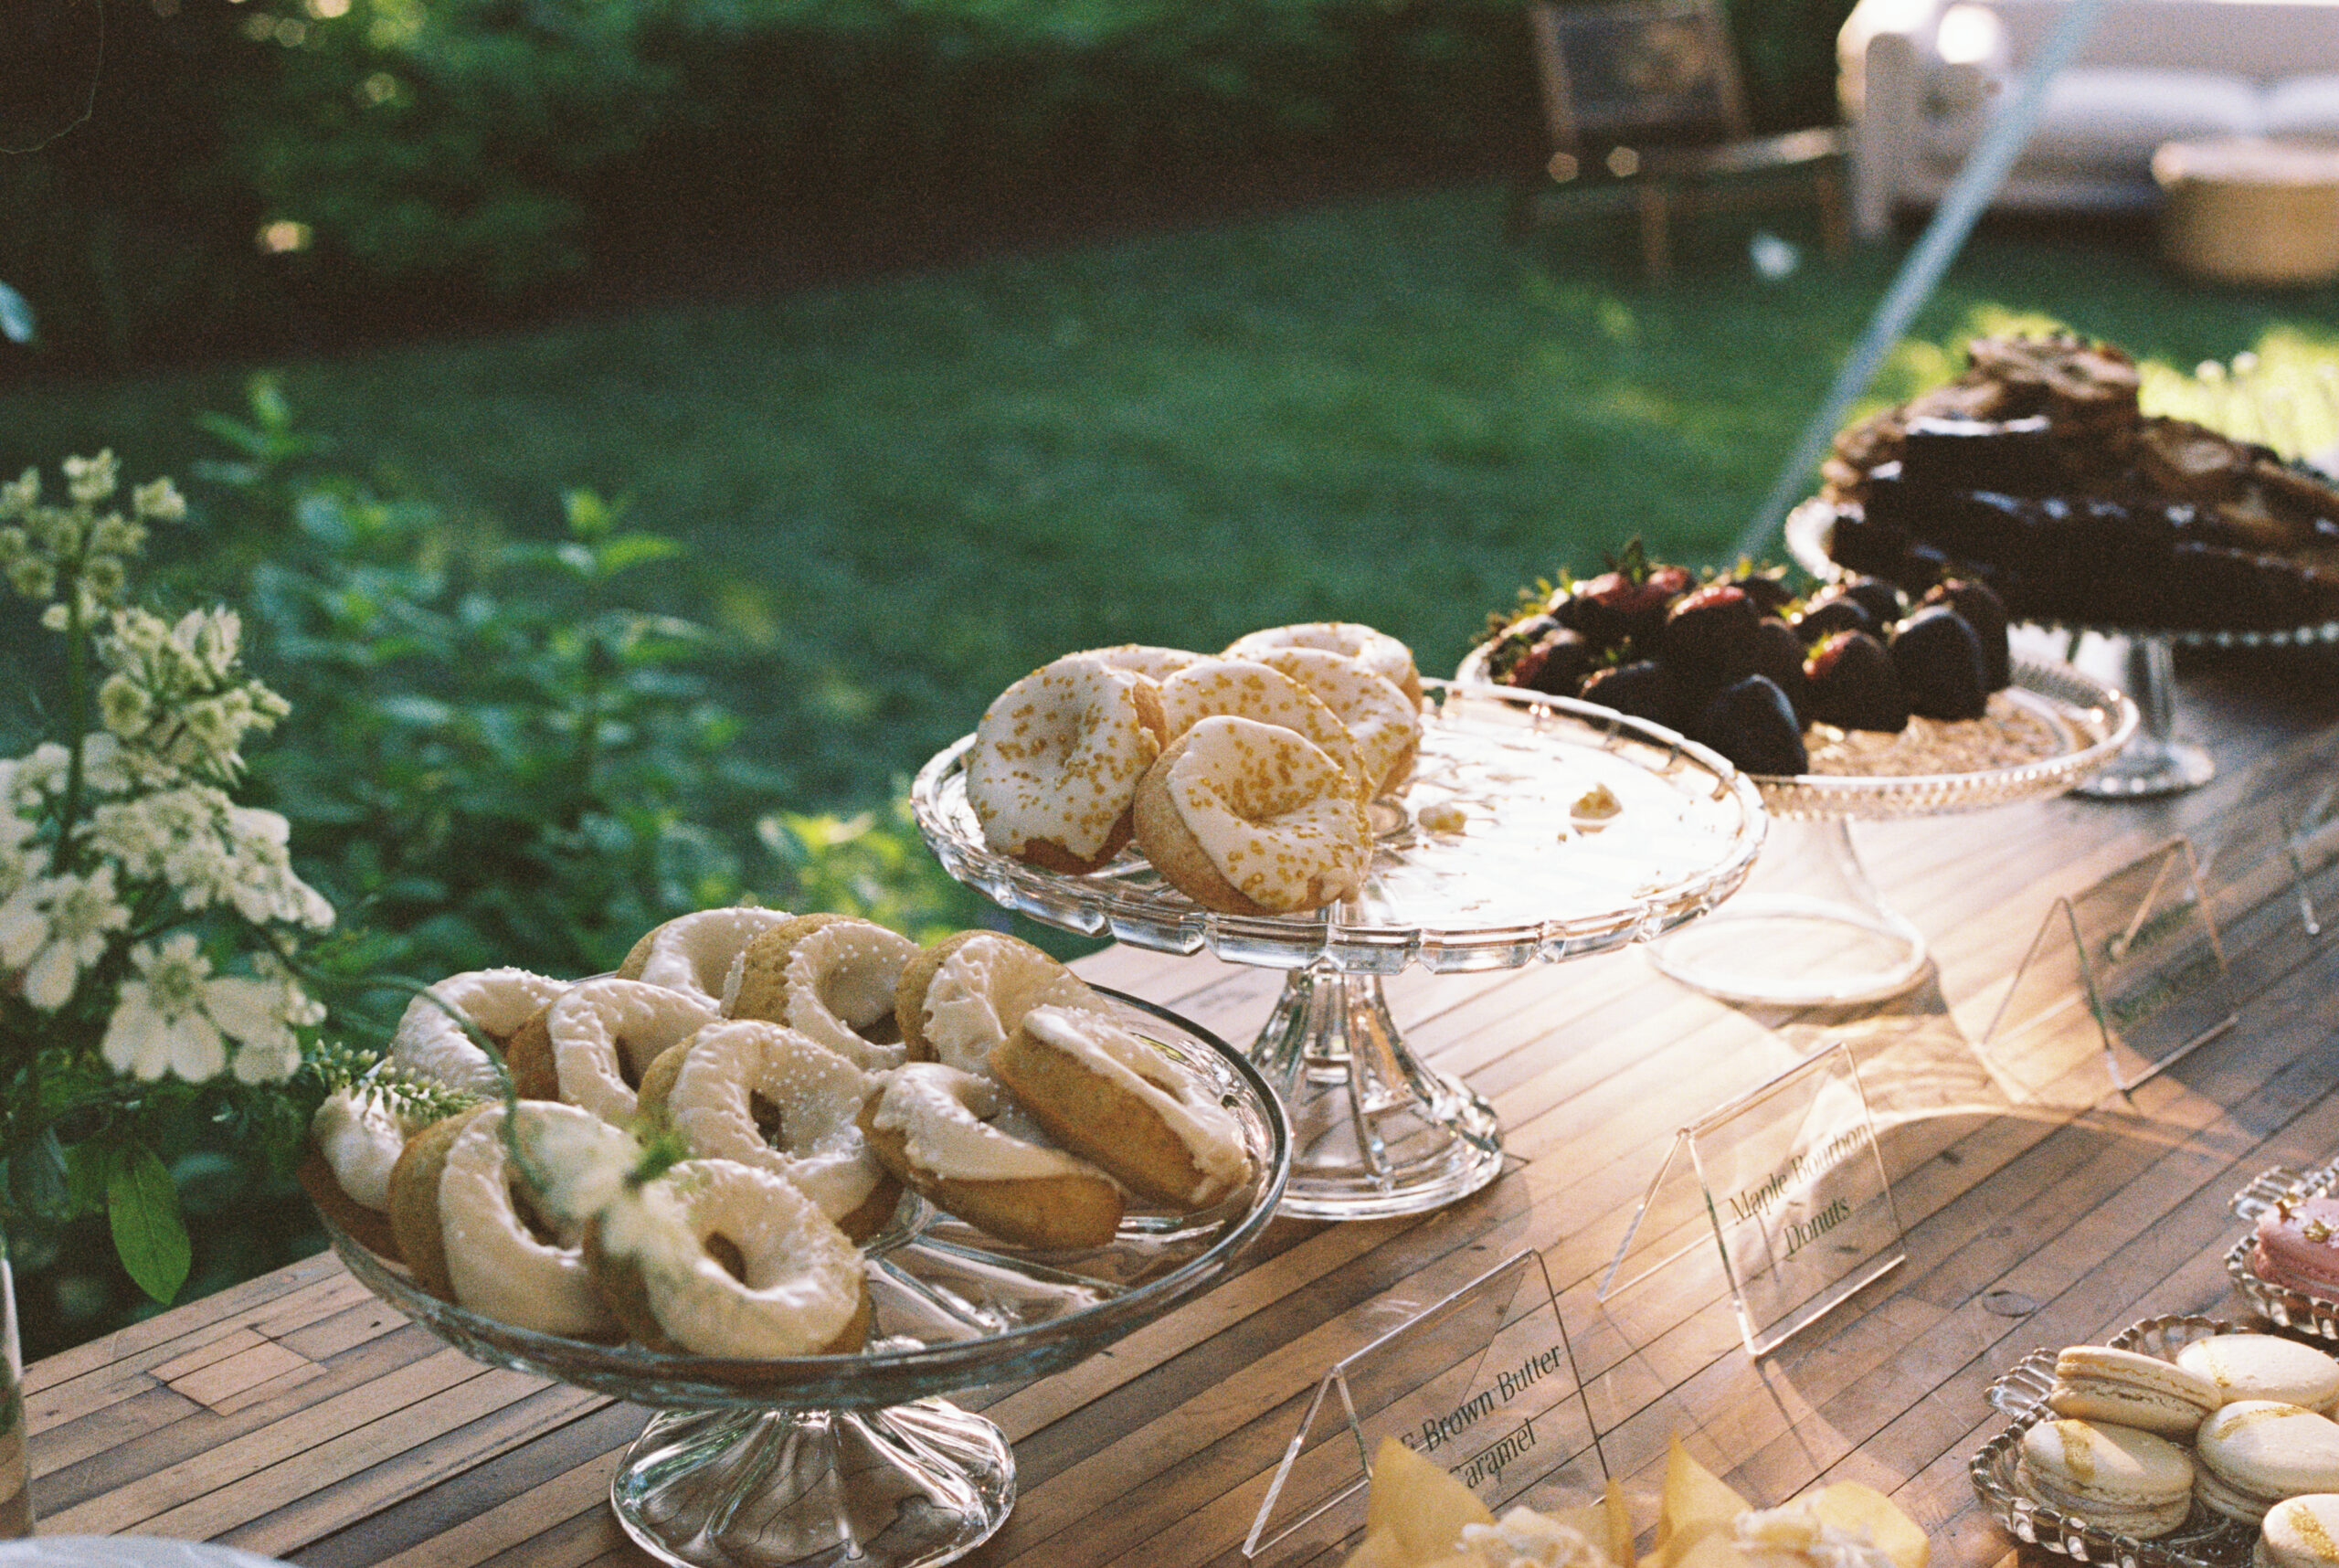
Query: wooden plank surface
[[297, 1416]]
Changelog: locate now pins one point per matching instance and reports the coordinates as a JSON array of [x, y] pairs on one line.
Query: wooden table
[[297, 1417]]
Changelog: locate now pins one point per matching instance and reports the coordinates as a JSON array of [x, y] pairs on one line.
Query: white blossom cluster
[[120, 853]]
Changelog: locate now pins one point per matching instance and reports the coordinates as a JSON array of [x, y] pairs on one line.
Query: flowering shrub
[[148, 923]]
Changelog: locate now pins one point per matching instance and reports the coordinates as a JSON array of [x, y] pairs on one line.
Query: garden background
[[638, 434]]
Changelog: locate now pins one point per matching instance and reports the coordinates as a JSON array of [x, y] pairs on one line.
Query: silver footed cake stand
[[1534, 829]]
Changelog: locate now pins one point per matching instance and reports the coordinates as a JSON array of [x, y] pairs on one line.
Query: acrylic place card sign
[[2280, 835], [2129, 972], [1793, 1194], [1483, 1382]]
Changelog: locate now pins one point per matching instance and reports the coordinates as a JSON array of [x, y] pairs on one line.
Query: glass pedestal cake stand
[[1511, 874], [826, 1461], [2154, 761]]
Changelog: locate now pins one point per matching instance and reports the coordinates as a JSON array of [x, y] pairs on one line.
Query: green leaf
[[143, 1209], [633, 549], [36, 1177]]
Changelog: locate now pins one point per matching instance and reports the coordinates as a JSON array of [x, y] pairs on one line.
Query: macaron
[[2116, 1476], [2094, 1382], [2261, 1366], [2255, 1452], [2298, 1247], [2300, 1532]]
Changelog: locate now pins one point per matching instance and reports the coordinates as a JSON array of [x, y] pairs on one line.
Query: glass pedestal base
[[1374, 1132], [2153, 762], [1830, 941], [908, 1486]]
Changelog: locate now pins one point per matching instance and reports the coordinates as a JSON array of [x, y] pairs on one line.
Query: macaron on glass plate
[[2206, 1540], [2300, 1311]]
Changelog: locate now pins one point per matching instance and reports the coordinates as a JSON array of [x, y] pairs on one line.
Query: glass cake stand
[[2154, 761], [1521, 878], [824, 1461]]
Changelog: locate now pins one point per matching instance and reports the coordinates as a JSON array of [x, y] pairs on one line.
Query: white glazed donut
[[1385, 725], [799, 1290], [1252, 819], [980, 993], [831, 976], [931, 1125], [735, 1075], [1056, 760], [592, 1045], [1105, 1093], [431, 1045], [1241, 688], [495, 1263], [360, 1138], [1155, 664], [692, 953], [1376, 650]]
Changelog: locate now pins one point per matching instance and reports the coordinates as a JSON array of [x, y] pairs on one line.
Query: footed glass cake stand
[[858, 1461], [1533, 829]]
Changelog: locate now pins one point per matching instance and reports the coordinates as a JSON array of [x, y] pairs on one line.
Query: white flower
[[41, 773], [159, 500], [55, 927], [90, 479], [159, 1023], [123, 702]]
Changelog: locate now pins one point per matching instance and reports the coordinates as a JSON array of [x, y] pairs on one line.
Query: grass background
[[905, 492]]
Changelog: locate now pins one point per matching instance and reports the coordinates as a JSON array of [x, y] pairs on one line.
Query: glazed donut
[[692, 953], [961, 998], [1155, 664], [1386, 728], [1249, 819], [1105, 1093], [1240, 688], [716, 1258], [1376, 650], [591, 1045], [354, 1140], [828, 976], [457, 1207], [431, 1045], [1056, 760], [930, 1125], [765, 1096]]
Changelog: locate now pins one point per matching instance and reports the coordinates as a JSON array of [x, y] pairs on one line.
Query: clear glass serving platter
[[2296, 1310], [2206, 1538], [857, 1458], [1524, 877]]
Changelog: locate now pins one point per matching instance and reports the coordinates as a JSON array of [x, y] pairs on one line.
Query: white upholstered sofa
[[1920, 77]]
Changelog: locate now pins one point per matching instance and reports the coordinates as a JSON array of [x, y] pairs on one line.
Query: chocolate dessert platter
[[2037, 473]]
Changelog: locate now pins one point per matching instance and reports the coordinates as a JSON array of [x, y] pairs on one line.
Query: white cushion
[[2304, 106], [2108, 119]]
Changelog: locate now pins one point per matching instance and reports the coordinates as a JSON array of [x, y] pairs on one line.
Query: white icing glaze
[[1181, 1099], [1796, 1531], [944, 1114], [821, 1149], [1380, 718], [593, 1020], [1154, 663], [693, 953], [1272, 813], [803, 1284], [1377, 651], [1524, 1539], [498, 1269], [431, 1045], [1243, 689], [360, 1138], [982, 992], [1058, 755], [840, 980]]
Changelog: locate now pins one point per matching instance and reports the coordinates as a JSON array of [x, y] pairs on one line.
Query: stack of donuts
[[1242, 775], [813, 1065]]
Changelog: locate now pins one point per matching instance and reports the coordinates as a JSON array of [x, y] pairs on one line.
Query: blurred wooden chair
[[1641, 99]]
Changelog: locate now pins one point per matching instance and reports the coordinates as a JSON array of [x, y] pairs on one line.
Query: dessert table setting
[[1439, 1040]]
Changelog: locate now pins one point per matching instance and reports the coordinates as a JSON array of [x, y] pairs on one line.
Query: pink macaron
[[2298, 1247]]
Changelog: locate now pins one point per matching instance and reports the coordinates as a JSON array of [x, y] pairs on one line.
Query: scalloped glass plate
[[1522, 879], [2296, 1310], [954, 1308], [2206, 1538], [1806, 536]]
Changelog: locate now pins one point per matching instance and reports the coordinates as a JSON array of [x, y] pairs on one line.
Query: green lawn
[[902, 493]]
